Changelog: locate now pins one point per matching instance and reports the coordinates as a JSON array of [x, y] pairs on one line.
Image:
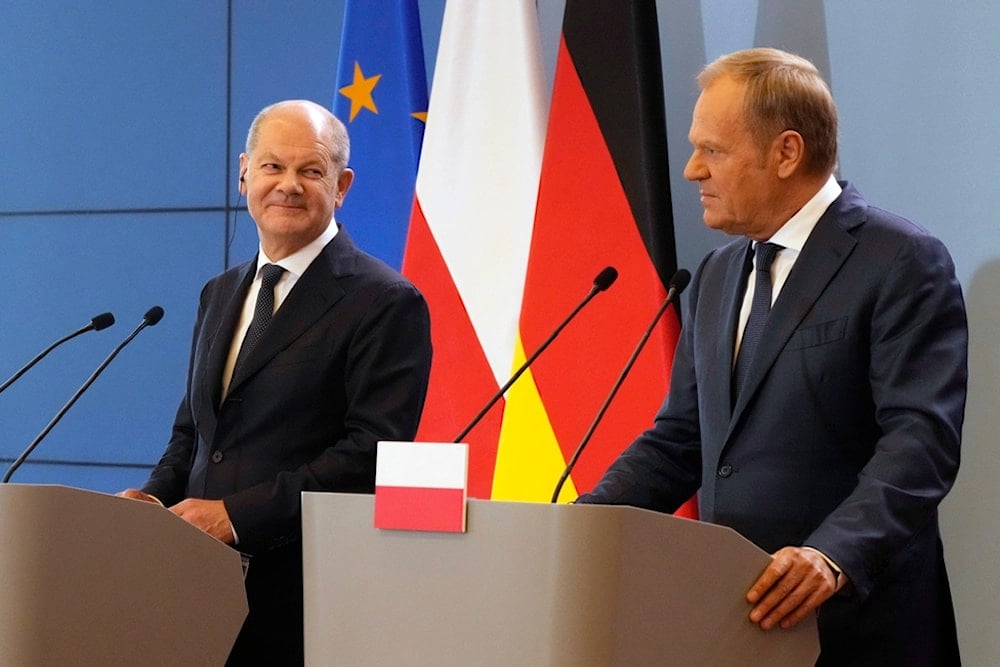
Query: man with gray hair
[[303, 358], [818, 389]]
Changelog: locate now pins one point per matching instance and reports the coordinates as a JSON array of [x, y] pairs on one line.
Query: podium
[[534, 584], [93, 579]]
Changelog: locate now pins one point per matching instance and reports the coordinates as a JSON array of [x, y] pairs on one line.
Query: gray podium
[[531, 585], [92, 579]]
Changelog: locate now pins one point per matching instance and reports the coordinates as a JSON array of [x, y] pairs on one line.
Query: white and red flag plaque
[[421, 486]]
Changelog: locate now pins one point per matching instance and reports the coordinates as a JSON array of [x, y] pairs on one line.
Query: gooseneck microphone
[[98, 322], [677, 285], [152, 316], [602, 281]]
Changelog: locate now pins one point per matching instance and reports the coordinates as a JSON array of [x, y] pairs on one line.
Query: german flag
[[604, 199]]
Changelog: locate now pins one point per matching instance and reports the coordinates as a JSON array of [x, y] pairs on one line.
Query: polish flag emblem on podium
[[421, 486]]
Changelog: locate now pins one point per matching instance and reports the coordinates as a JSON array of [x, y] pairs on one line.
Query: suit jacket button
[[216, 456], [725, 470]]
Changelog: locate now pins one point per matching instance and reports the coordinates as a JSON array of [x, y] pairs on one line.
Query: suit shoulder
[[889, 223], [360, 273], [378, 271], [889, 234], [381, 280]]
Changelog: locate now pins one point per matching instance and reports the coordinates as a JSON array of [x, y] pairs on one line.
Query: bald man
[[303, 358]]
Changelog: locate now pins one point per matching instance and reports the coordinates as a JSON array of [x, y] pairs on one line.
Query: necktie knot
[[270, 274], [764, 254]]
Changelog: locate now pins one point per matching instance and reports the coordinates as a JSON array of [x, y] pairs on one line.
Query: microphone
[[98, 322], [677, 285], [152, 316], [602, 281]]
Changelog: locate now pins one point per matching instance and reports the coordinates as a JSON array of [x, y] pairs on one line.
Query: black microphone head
[[102, 321], [153, 315], [680, 280], [606, 278]]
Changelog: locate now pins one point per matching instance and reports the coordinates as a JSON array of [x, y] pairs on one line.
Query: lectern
[[534, 584], [92, 579]]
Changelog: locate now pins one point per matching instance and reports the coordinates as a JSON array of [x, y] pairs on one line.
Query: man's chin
[[286, 219], [713, 222]]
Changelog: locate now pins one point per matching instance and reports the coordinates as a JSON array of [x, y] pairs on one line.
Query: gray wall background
[[120, 124]]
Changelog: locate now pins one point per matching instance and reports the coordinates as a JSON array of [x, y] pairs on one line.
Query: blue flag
[[382, 98]]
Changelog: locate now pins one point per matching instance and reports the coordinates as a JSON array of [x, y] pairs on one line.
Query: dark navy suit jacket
[[343, 364], [846, 435]]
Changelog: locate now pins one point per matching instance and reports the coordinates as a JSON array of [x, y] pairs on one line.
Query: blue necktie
[[262, 312], [760, 307]]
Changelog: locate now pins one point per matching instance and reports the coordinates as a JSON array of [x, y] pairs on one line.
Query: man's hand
[[209, 515], [795, 583], [136, 494]]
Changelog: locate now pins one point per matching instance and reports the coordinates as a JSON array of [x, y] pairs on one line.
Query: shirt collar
[[793, 234], [297, 263]]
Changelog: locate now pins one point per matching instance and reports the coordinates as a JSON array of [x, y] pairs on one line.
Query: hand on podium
[[797, 581], [136, 494], [208, 515]]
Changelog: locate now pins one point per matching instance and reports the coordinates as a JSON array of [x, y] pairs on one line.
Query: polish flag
[[421, 486], [477, 184]]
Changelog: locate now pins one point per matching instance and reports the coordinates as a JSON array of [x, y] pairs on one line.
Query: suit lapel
[[721, 280], [826, 249], [313, 295], [741, 264], [232, 295]]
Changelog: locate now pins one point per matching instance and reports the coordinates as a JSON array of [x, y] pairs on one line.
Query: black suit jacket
[[846, 435], [343, 364]]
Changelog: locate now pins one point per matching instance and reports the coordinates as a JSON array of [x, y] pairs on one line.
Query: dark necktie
[[262, 312], [760, 307]]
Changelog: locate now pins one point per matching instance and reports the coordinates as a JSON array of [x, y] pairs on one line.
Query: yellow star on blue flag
[[381, 95], [360, 92]]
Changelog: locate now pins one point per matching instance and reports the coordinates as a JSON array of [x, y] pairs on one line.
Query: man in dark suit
[[822, 420], [296, 405]]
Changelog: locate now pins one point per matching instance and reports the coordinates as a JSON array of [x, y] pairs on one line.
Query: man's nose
[[695, 169], [290, 183]]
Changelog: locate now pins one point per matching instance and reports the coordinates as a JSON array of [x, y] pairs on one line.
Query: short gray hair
[[783, 92]]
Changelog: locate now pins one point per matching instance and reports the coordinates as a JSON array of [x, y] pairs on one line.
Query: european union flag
[[382, 98]]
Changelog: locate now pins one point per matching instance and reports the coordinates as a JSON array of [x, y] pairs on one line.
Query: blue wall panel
[[67, 269], [114, 104]]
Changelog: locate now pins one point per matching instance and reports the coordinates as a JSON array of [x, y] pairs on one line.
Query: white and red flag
[[421, 486], [467, 249]]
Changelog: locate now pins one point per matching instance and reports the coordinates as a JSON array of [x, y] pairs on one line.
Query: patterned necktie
[[262, 312], [760, 307]]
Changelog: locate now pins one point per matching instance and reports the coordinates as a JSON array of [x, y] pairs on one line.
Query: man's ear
[[789, 152], [344, 181], [242, 184]]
